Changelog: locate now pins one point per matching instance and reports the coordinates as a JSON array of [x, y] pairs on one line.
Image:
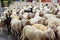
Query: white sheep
[[2, 19], [16, 24], [32, 33], [53, 20], [48, 15], [48, 31]]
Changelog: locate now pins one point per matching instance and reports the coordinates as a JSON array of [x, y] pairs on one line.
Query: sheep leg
[[23, 35], [1, 31], [15, 33], [11, 31], [18, 37]]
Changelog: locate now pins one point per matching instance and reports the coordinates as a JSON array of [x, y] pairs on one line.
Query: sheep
[[1, 27], [53, 20], [32, 33], [2, 24], [48, 15], [46, 30], [16, 27], [37, 17], [2, 19], [15, 24]]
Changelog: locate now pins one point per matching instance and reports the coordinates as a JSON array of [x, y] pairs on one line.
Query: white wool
[[14, 12], [58, 7], [55, 8], [15, 24], [45, 8], [14, 16], [22, 10], [26, 8], [58, 27], [53, 20], [35, 7], [31, 15], [34, 10], [35, 34], [0, 20], [37, 13], [49, 15], [16, 20], [44, 12], [58, 14], [35, 20], [25, 15], [29, 6], [3, 18], [32, 33], [40, 27], [4, 12], [24, 22]]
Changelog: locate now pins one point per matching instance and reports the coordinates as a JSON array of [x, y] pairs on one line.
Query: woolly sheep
[[32, 33], [48, 31], [53, 20], [48, 15], [16, 25]]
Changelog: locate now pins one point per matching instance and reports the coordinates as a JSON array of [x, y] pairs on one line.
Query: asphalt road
[[7, 37]]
